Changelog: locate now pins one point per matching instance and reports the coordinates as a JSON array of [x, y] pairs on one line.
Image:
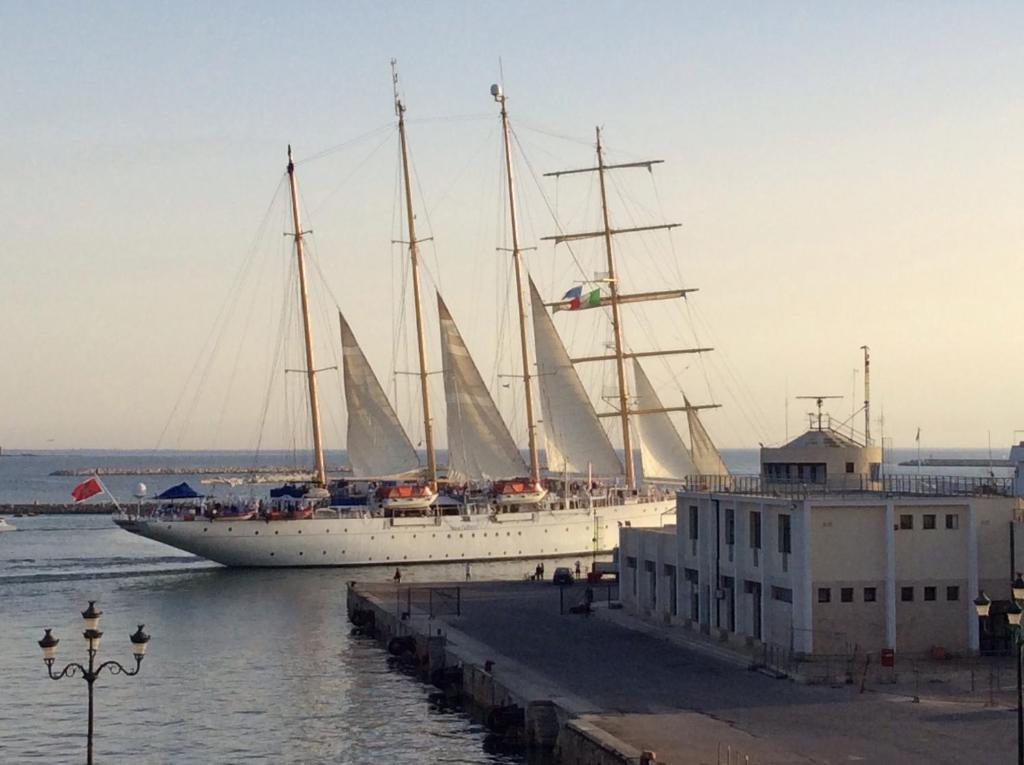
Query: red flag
[[86, 489]]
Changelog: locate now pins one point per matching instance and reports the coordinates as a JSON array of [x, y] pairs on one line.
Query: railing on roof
[[855, 485]]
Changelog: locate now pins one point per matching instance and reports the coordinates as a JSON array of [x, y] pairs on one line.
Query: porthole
[[276, 532], [371, 538], [327, 531], [301, 553], [271, 555], [325, 552], [300, 530], [229, 528], [257, 533], [205, 529]]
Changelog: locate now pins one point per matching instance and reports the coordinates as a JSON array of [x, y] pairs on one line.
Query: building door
[[673, 590], [757, 612]]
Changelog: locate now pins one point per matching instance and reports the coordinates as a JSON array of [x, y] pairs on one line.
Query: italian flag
[[578, 299]]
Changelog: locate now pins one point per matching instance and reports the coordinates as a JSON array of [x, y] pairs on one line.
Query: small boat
[[406, 496], [518, 491], [5, 526], [247, 515]]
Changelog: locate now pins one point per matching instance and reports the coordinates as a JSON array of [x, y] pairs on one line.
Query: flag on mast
[[86, 489], [577, 299]]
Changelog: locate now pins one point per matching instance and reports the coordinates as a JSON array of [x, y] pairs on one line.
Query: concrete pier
[[605, 689]]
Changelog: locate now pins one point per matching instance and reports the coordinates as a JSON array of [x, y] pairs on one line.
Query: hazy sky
[[846, 173]]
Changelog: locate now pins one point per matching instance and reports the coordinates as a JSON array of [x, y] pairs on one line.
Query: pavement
[[639, 684]]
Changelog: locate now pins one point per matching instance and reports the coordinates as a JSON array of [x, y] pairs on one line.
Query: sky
[[845, 174]]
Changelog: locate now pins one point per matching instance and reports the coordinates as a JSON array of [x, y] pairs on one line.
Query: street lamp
[[1013, 615], [982, 604], [91, 618]]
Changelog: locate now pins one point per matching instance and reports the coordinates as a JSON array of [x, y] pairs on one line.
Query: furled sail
[[706, 458], [575, 437], [377, 444], [479, 444], [662, 451]]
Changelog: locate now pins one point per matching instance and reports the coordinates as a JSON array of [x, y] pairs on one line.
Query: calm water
[[244, 666]]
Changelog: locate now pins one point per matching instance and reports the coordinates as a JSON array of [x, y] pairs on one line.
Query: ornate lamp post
[[1013, 615], [92, 635], [1013, 618]]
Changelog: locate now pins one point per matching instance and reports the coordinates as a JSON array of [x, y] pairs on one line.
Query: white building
[[824, 574]]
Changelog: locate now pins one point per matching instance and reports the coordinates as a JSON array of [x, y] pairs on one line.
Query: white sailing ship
[[490, 504]]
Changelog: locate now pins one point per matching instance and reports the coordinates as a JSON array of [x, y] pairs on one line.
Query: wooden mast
[[314, 401], [428, 430], [620, 366], [517, 259], [613, 301]]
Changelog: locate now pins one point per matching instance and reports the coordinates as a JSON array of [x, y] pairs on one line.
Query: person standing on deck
[[398, 576]]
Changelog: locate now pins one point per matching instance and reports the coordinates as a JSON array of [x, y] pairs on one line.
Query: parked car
[[562, 576]]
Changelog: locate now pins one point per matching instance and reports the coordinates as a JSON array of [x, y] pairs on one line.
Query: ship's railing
[[854, 485]]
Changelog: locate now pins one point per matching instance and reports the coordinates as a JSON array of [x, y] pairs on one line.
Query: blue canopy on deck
[[181, 491]]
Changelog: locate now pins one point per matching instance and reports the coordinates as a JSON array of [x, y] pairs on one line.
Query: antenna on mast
[[819, 400], [867, 395]]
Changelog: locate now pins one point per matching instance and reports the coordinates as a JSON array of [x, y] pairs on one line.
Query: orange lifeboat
[[404, 496], [517, 491]]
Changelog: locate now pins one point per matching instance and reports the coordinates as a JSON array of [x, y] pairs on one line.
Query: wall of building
[[811, 596], [848, 552]]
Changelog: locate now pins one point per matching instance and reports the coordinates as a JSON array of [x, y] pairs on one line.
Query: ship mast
[[428, 430], [314, 402], [620, 365], [517, 260], [607, 232]]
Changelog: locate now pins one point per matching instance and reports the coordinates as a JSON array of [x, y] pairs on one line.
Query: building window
[[846, 594], [906, 522], [929, 593], [630, 562], [824, 595], [870, 594], [952, 521], [849, 467], [755, 531], [785, 540], [928, 521], [730, 526], [952, 593], [906, 594], [782, 593], [693, 522]]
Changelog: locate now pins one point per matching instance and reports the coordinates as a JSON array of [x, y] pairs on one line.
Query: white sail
[[479, 444], [575, 437], [662, 451], [706, 458], [377, 444]]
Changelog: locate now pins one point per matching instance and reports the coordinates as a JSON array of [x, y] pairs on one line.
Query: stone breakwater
[[59, 508], [261, 470]]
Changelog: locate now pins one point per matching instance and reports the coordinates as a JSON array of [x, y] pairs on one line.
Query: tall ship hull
[[379, 541]]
